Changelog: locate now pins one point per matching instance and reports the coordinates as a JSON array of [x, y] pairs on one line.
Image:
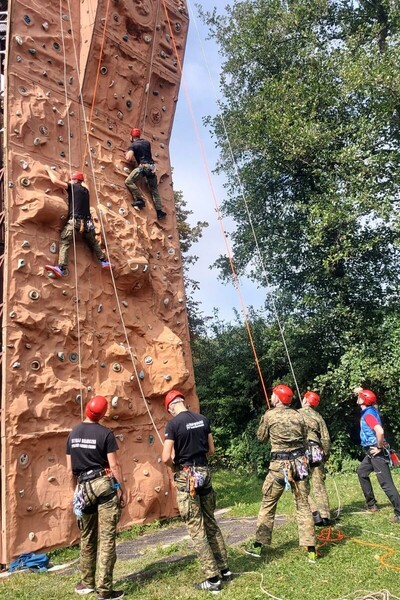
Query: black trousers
[[384, 477]]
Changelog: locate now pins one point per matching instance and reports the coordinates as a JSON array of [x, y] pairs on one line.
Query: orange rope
[[330, 535], [217, 208], [97, 79]]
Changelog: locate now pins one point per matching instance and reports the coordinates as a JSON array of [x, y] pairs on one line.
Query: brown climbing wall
[[76, 83]]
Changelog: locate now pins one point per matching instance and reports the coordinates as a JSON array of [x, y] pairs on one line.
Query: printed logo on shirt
[[83, 443], [195, 425]]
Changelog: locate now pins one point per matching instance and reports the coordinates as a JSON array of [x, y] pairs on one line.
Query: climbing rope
[[217, 208], [242, 194], [104, 234], [73, 210]]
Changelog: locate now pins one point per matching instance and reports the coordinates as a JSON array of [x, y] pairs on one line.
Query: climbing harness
[[315, 453], [194, 480]]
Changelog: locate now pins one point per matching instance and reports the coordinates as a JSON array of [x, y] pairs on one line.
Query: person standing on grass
[[288, 469], [319, 444], [376, 456], [188, 443], [99, 496]]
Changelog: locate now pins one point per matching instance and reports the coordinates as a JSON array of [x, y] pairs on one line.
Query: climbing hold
[[124, 303], [23, 90], [151, 439], [51, 479], [115, 417], [165, 493], [60, 356], [45, 25], [35, 365], [18, 58], [120, 436], [19, 40], [13, 314], [16, 365], [103, 70], [78, 399], [148, 360], [147, 38], [60, 122], [167, 377], [145, 472], [57, 46], [129, 104], [114, 402], [34, 295], [139, 498], [25, 182], [122, 211], [159, 459], [24, 164], [102, 365], [125, 38], [29, 508], [99, 308], [28, 346], [166, 301], [37, 141], [60, 138], [21, 493], [25, 244], [158, 255], [132, 378], [53, 248], [117, 368], [73, 357], [141, 374], [24, 459], [32, 51], [21, 263], [64, 293], [180, 300], [27, 20]]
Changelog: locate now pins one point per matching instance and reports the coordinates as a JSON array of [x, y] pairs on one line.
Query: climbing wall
[[79, 76]]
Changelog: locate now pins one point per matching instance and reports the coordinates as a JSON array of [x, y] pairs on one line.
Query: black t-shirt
[[78, 196], [142, 151], [88, 444], [189, 431]]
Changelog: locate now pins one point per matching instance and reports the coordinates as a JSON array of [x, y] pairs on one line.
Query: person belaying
[[79, 218], [140, 151], [288, 469], [99, 497], [188, 443], [376, 457], [319, 444]]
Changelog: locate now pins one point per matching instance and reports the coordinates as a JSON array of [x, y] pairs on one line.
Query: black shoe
[[209, 586], [326, 522], [138, 204], [114, 595], [318, 520], [161, 214], [226, 576]]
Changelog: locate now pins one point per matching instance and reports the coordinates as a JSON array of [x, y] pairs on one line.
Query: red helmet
[[96, 408], [171, 396], [77, 175], [136, 133], [284, 393], [368, 397], [312, 398]]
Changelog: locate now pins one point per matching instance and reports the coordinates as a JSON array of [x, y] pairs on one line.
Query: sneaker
[[106, 265], [57, 270], [138, 204], [226, 576], [312, 557], [209, 586], [255, 549], [373, 508], [82, 589], [395, 519], [161, 214], [114, 595]]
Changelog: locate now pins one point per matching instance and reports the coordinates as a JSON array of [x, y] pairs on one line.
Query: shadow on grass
[[170, 565]]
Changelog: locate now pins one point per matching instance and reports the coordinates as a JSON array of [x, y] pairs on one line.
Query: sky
[[198, 96]]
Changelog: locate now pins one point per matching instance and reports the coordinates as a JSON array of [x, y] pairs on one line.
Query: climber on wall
[[140, 151], [79, 218]]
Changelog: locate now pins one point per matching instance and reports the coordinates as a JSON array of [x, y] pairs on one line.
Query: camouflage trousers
[[151, 178], [273, 488], [66, 240], [318, 498], [198, 514], [98, 533]]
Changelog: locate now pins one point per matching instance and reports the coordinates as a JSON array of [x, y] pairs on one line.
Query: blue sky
[[201, 79]]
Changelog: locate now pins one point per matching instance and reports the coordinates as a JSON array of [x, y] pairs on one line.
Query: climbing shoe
[[57, 270], [226, 576], [209, 586], [83, 589], [255, 549], [106, 265], [312, 556], [161, 214], [138, 204]]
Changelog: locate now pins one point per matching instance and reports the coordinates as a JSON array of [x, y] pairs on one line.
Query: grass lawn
[[363, 554]]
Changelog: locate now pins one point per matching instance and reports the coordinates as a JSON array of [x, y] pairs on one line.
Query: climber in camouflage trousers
[[188, 442], [319, 444], [288, 469]]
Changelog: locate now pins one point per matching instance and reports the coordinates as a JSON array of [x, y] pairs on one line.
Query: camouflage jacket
[[317, 430], [285, 427]]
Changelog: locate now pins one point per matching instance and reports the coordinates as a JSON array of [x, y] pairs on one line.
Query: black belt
[[287, 455], [90, 475]]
